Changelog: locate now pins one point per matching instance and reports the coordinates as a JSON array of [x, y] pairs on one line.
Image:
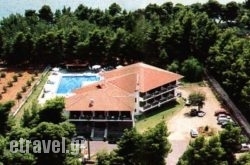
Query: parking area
[[180, 125]]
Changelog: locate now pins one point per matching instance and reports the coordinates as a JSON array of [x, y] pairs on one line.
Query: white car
[[194, 133], [223, 116], [245, 147], [223, 120], [187, 102]]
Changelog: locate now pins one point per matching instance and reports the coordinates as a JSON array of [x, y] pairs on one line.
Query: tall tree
[[114, 9], [213, 9], [98, 45], [204, 152], [197, 99], [243, 159], [129, 147], [231, 11], [155, 146], [72, 41], [46, 14], [1, 44], [52, 111], [49, 131], [231, 138], [192, 69], [4, 116]]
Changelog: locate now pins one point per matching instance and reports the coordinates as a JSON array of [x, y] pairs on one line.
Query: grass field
[[33, 97], [149, 120]]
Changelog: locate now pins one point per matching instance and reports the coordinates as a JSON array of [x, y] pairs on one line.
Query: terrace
[[158, 91]]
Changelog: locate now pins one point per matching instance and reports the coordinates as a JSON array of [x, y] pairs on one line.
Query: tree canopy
[[219, 149], [181, 38], [135, 148]]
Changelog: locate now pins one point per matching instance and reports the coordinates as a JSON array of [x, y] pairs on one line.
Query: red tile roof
[[147, 77], [100, 97], [116, 91]]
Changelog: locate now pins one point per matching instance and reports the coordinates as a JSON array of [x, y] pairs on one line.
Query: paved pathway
[[179, 147]]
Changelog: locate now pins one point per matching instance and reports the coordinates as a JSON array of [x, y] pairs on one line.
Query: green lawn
[[33, 97], [149, 120]]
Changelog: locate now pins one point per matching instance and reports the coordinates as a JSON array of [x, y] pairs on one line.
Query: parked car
[[187, 102], [194, 133], [223, 119], [221, 111], [193, 112], [201, 113], [245, 147], [223, 116]]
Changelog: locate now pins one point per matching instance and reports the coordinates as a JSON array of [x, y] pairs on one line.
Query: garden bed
[[16, 84]]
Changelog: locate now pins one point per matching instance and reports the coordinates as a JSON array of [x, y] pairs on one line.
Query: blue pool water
[[70, 83]]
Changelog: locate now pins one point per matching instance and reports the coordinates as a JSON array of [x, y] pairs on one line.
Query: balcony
[[162, 99], [164, 89], [156, 92], [147, 96], [113, 117], [155, 103], [76, 116], [146, 106], [125, 115]]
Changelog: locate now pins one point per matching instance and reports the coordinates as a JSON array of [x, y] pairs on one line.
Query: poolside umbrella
[[56, 69], [119, 66], [96, 66]]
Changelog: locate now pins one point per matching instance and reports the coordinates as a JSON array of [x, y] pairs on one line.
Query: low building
[[104, 109]]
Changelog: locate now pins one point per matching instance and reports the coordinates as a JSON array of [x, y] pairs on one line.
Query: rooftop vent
[[100, 86], [91, 102]]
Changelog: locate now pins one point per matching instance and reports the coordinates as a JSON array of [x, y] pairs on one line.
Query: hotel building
[[104, 109]]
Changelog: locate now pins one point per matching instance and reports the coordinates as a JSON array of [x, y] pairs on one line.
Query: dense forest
[[176, 37]]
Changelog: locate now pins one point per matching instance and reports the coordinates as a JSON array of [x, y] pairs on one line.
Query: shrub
[[206, 128], [36, 73], [10, 84], [24, 89], [2, 75], [28, 83], [19, 74], [14, 78], [18, 95], [4, 89], [192, 70], [32, 78]]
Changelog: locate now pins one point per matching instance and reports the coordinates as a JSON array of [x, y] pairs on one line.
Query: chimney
[[91, 102], [101, 86]]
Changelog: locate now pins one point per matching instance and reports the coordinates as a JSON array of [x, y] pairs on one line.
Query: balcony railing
[[146, 106], [161, 101], [147, 96], [158, 92]]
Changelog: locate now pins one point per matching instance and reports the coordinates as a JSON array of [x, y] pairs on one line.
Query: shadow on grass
[[157, 110]]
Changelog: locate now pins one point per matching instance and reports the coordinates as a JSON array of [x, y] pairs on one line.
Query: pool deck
[[50, 88]]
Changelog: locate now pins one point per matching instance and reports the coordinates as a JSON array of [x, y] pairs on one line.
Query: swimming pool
[[69, 83]]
